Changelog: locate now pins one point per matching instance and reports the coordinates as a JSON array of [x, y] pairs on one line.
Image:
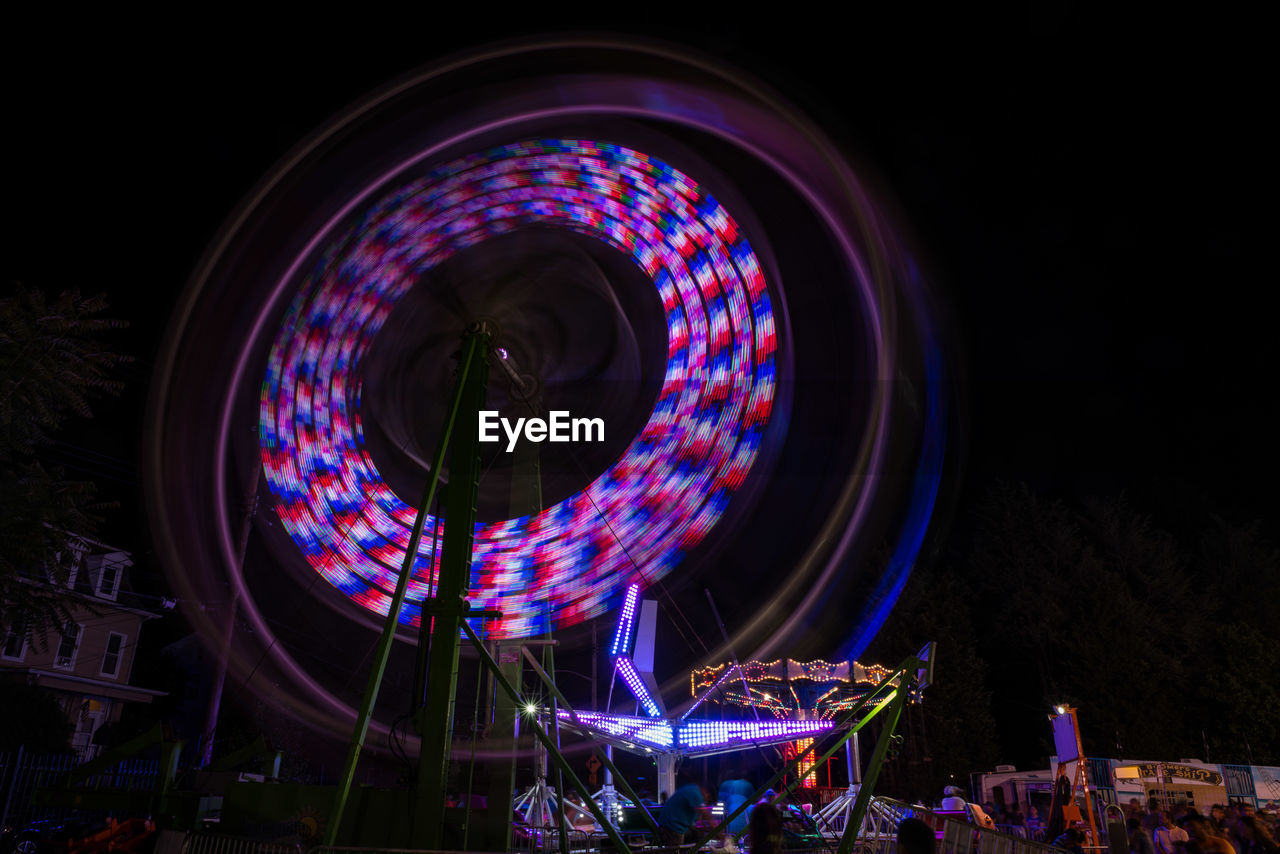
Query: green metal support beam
[[257, 749], [154, 802], [549, 682], [562, 822], [852, 826], [505, 726], [471, 364], [621, 782], [449, 607]]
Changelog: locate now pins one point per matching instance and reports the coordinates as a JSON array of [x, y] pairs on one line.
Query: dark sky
[[1092, 195]]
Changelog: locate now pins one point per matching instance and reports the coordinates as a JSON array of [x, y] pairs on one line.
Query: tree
[[1234, 691], [1030, 567], [1167, 646], [53, 363], [30, 717], [952, 731]]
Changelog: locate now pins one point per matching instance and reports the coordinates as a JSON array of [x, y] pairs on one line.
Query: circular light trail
[[572, 561], [851, 441]]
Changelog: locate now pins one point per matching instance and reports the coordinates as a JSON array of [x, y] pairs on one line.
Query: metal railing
[[214, 843], [540, 840], [955, 836], [22, 772], [356, 849]]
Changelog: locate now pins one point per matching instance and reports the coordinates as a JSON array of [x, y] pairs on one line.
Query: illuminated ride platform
[[665, 737], [846, 696], [657, 733], [788, 691]]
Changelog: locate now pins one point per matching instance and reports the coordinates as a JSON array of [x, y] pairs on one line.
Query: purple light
[[723, 676], [658, 500], [638, 690], [656, 733], [695, 736], [622, 640], [700, 734]]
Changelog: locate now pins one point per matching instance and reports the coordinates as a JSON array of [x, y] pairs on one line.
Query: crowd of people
[[764, 822], [1234, 828]]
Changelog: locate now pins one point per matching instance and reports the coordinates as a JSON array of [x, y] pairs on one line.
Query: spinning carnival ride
[[816, 692], [753, 334]]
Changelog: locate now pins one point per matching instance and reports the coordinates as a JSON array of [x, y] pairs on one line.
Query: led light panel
[[646, 731], [638, 689], [626, 622], [699, 734], [695, 736]]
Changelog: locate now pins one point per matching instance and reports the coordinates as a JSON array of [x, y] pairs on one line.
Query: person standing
[[915, 837], [679, 813], [733, 794], [1139, 840], [1072, 840], [766, 829]]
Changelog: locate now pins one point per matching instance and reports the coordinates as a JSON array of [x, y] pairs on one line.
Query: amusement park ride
[[789, 690], [328, 276], [669, 739]]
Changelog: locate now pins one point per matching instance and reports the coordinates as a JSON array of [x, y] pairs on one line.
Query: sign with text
[[1180, 772]]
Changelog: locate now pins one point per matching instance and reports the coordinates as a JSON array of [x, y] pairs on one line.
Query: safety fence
[[22, 772], [214, 843], [1022, 831], [534, 840]]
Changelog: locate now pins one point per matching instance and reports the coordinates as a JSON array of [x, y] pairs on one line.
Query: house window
[[111, 658], [66, 656], [15, 642], [107, 584]]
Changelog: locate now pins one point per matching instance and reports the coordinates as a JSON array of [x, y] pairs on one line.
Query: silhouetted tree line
[[1168, 643]]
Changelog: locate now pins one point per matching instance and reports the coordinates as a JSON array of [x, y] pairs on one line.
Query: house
[[87, 664]]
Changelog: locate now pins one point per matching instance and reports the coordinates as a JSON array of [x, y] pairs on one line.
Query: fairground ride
[[613, 229], [790, 690]]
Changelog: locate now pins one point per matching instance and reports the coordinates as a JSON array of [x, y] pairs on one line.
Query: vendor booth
[[1173, 784]]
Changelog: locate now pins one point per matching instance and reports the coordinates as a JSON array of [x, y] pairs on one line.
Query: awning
[[94, 687]]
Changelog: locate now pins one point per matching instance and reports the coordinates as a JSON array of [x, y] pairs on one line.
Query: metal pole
[[857, 761], [383, 651], [610, 795], [614, 774], [562, 824], [873, 771], [549, 682], [448, 609]]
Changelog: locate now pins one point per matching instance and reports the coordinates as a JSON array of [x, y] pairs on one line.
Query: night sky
[[1091, 196]]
